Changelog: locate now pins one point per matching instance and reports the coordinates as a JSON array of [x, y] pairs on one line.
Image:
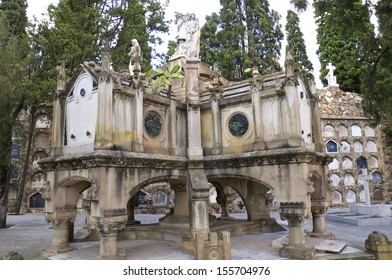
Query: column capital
[[293, 212]]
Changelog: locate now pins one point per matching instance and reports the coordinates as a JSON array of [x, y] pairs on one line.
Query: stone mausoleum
[[259, 137]]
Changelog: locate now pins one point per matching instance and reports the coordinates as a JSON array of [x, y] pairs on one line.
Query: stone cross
[[330, 76], [365, 178]]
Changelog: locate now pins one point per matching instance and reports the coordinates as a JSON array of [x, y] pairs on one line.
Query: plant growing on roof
[[162, 78]]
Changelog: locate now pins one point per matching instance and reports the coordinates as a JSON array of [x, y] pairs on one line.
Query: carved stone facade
[[353, 143]]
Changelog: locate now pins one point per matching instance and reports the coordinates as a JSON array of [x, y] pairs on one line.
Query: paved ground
[[29, 235]]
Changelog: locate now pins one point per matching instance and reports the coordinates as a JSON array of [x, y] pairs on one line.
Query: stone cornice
[[268, 157], [107, 158]]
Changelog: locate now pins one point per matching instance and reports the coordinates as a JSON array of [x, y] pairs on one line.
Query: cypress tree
[[244, 29], [297, 45]]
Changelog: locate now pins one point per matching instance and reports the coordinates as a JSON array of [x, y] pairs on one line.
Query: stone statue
[[135, 57], [193, 37], [188, 38], [181, 27]]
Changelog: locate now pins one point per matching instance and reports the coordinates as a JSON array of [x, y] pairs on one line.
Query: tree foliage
[[12, 98], [243, 30], [297, 45], [343, 31]]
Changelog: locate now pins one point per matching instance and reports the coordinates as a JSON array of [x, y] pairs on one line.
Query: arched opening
[[336, 198], [362, 162], [378, 195], [343, 131], [329, 131], [76, 196], [356, 130], [332, 146], [350, 196], [36, 201]]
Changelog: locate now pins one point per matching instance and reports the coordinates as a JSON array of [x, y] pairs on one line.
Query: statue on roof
[[135, 57], [188, 38]]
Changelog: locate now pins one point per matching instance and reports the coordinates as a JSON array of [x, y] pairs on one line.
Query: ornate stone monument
[[111, 138]]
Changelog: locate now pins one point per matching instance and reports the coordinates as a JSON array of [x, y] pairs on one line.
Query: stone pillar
[[108, 240], [139, 121], [113, 221], [318, 207], [224, 199], [104, 127], [294, 213], [173, 149], [213, 246], [60, 233], [199, 192], [216, 95]]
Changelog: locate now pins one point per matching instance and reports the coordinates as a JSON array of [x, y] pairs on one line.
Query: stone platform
[[361, 215]]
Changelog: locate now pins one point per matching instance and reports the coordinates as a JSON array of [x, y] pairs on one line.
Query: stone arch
[[373, 162], [350, 196], [378, 195], [36, 157], [15, 172], [345, 146], [369, 131], [252, 191], [226, 197], [362, 162], [334, 165], [36, 200], [335, 180], [42, 121], [342, 130], [371, 146], [38, 179], [336, 197], [177, 184], [332, 146], [377, 177], [160, 197], [329, 131], [347, 163], [71, 189], [42, 140], [357, 146], [349, 180], [356, 130]]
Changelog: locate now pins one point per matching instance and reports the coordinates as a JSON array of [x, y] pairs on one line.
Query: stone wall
[[349, 137]]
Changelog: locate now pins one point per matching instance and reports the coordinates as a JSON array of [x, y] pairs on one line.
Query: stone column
[[294, 213], [108, 241], [139, 121], [318, 207], [216, 95], [113, 220], [60, 233], [199, 193]]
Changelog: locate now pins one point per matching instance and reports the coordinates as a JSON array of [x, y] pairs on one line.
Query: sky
[[201, 8]]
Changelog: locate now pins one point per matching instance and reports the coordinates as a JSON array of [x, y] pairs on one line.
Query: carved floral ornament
[[108, 228]]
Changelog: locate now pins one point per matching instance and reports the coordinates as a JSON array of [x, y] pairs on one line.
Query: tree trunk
[[26, 164], [5, 181]]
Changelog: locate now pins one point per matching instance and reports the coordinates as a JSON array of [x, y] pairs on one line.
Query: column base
[[323, 235], [213, 246], [297, 252]]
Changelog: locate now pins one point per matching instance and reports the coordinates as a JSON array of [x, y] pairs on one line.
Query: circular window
[[82, 92], [153, 124], [238, 125]]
